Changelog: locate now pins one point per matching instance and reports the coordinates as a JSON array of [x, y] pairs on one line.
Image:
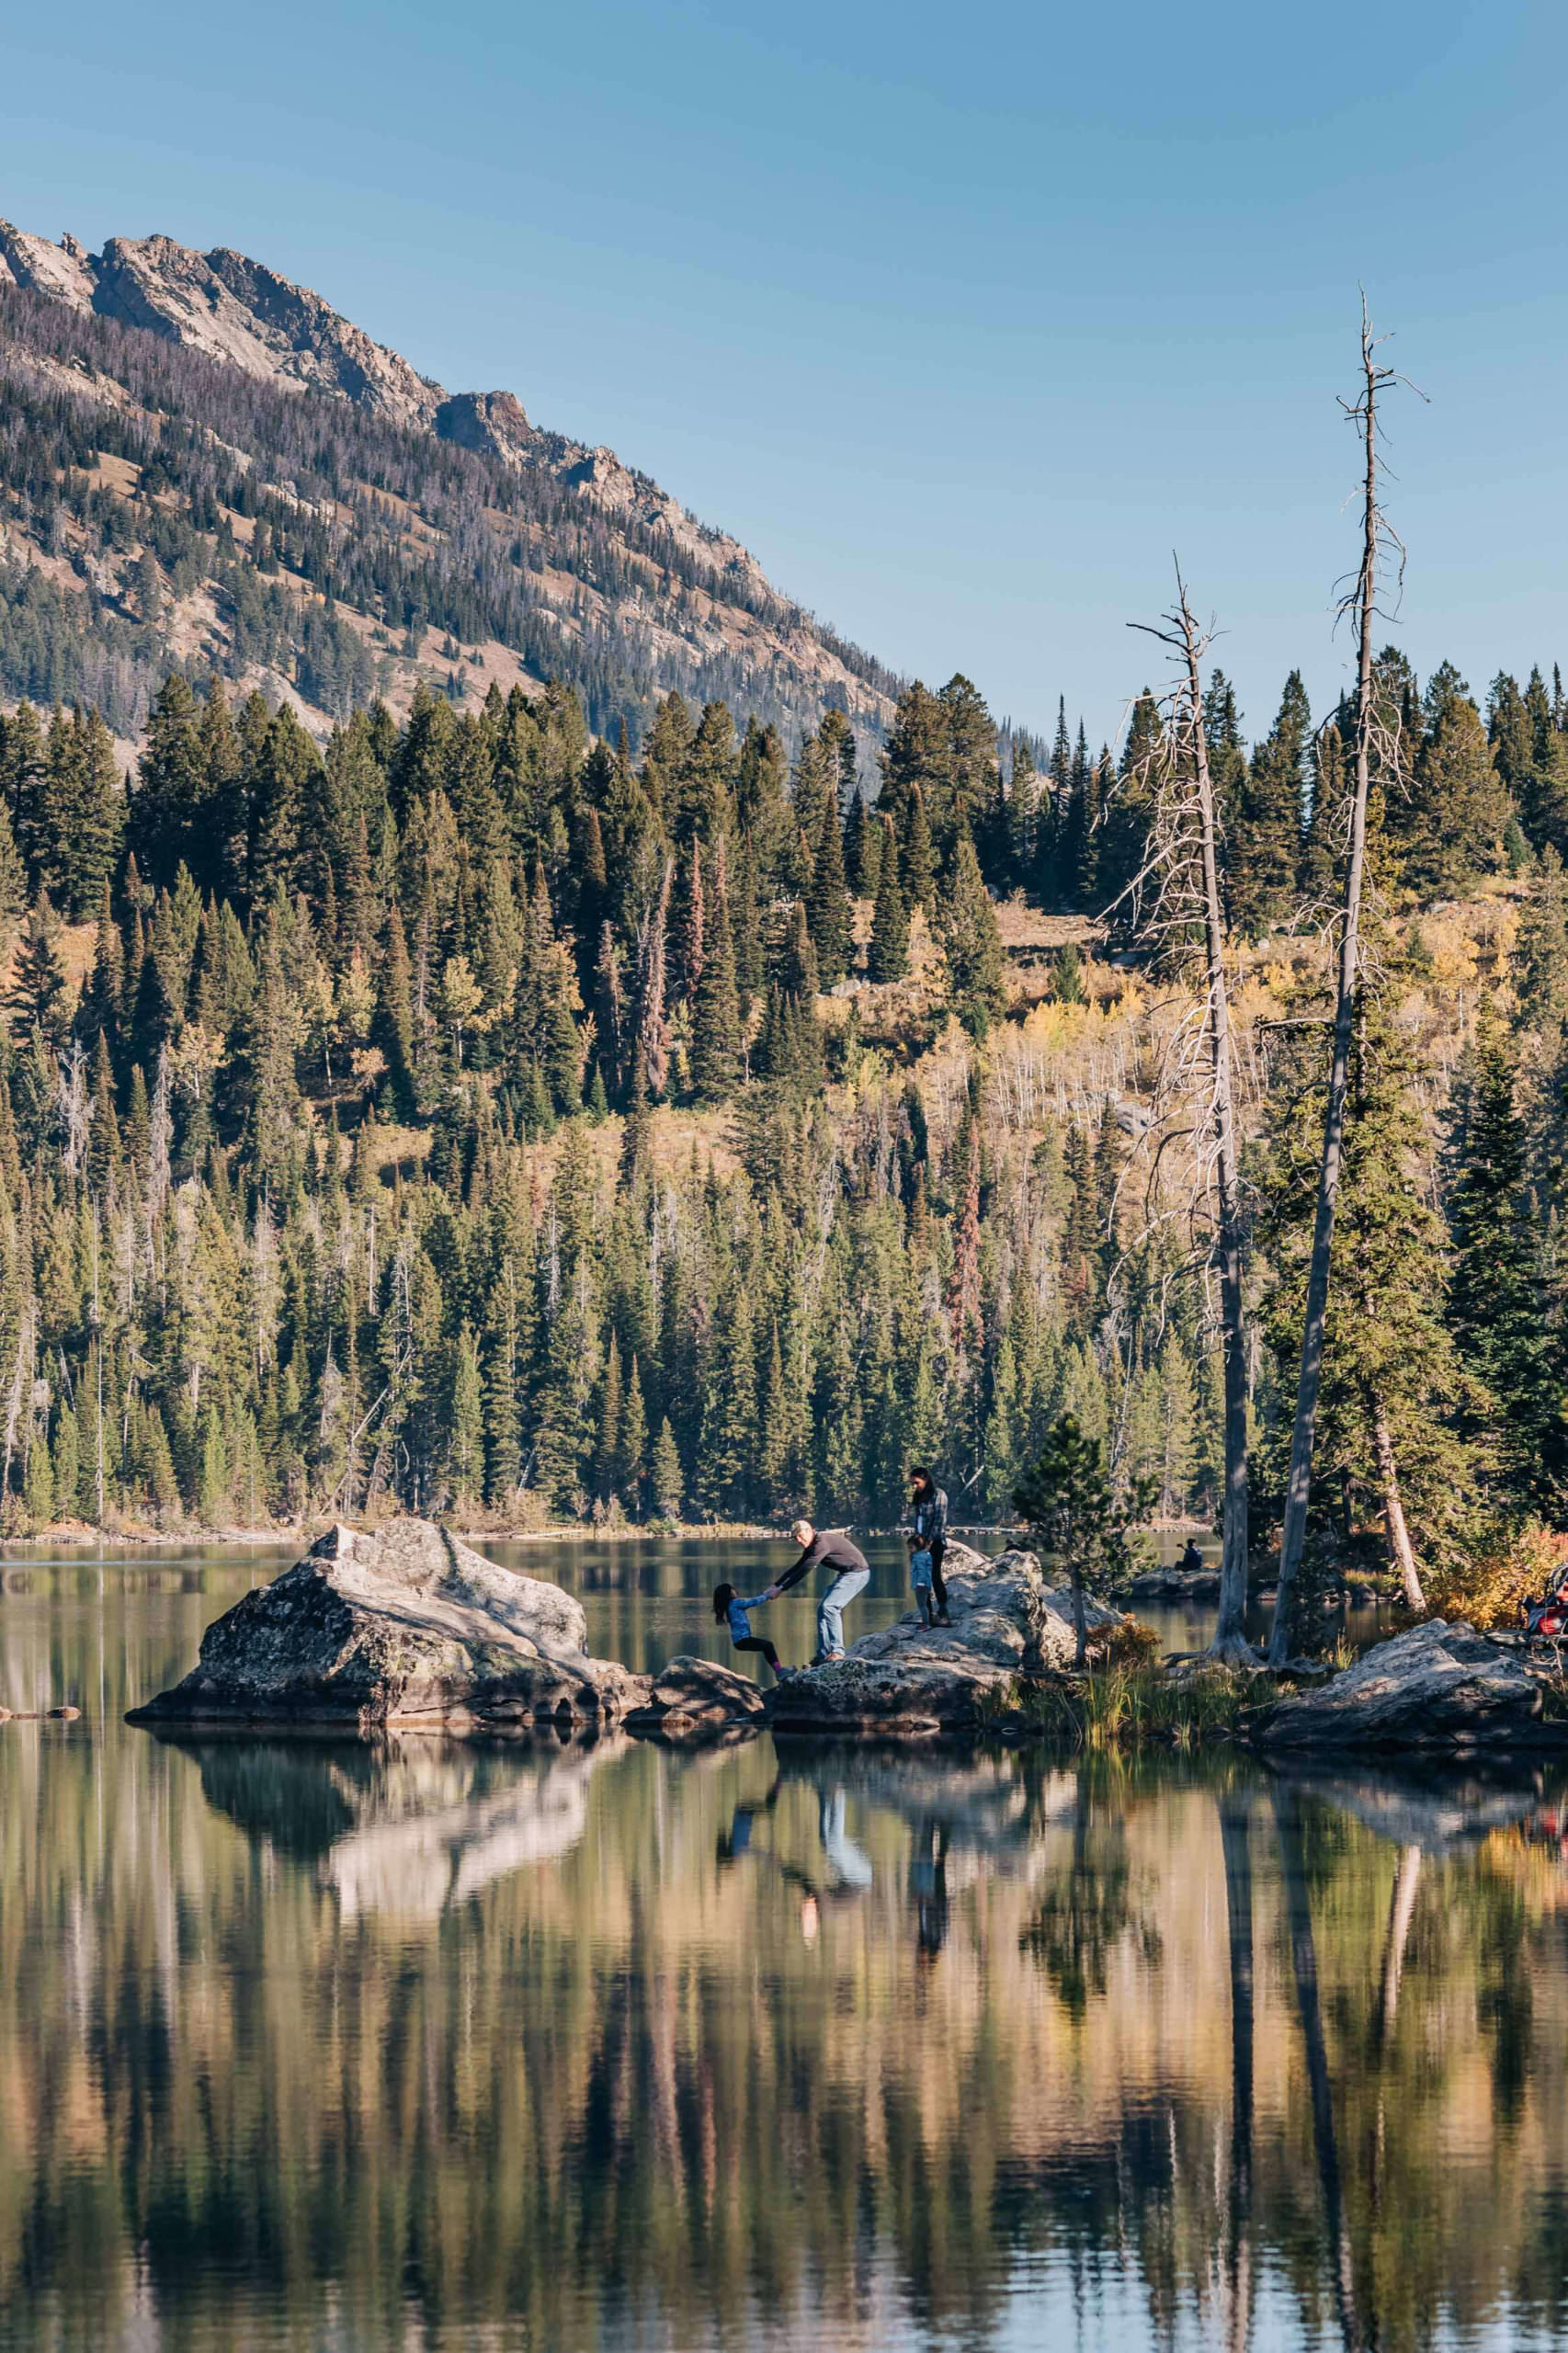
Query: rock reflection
[[412, 1826]]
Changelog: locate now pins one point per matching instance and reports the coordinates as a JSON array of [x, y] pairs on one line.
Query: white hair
[[802, 1531]]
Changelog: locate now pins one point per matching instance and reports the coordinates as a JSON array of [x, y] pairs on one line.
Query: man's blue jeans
[[830, 1609]]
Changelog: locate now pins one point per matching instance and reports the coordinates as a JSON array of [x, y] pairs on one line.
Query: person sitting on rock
[[850, 1570], [1192, 1558], [727, 1603]]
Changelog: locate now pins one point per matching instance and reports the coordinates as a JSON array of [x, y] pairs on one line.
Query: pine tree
[[746, 927], [668, 1480], [774, 1436], [918, 861], [1264, 848], [828, 903], [1316, 876], [1067, 975], [465, 1453], [612, 1407], [24, 785], [13, 886], [716, 1025], [1067, 1501], [972, 943], [288, 778], [1497, 1309], [165, 806], [1024, 816], [762, 809], [857, 826], [86, 813], [1392, 1383], [1451, 829], [888, 955], [631, 1453], [38, 994]]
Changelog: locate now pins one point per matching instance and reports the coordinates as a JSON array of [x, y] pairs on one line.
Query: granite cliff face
[[231, 308]]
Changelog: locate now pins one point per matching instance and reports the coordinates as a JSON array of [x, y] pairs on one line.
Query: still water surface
[[430, 2046]]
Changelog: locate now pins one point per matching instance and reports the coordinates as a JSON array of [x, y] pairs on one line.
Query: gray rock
[[1176, 1585], [1436, 1688], [696, 1703], [916, 1682], [405, 1626]]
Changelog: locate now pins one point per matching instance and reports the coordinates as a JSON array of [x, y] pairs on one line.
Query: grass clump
[[1131, 1703]]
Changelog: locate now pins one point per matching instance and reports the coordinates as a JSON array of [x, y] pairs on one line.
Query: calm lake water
[[430, 2046]]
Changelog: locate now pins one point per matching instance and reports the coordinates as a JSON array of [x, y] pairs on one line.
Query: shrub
[[1128, 1644], [1505, 1567]]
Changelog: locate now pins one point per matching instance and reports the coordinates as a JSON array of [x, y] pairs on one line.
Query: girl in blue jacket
[[727, 1603]]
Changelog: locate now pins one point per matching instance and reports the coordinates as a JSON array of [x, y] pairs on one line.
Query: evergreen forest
[[475, 1113]]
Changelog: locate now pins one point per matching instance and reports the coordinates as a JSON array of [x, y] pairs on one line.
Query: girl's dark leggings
[[937, 1587], [760, 1642]]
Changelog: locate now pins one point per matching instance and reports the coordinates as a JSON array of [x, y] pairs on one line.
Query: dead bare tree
[[1175, 900], [1360, 605]]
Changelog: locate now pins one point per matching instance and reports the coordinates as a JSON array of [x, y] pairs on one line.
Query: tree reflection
[[443, 2047]]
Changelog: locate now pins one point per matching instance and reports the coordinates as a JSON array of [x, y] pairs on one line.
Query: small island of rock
[[401, 1626]]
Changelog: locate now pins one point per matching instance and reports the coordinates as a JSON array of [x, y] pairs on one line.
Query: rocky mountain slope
[[203, 464]]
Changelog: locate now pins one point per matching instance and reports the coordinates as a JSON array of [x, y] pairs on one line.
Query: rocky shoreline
[[408, 1628]]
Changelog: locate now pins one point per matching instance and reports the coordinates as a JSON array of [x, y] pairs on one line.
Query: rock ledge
[[912, 1682], [1437, 1688]]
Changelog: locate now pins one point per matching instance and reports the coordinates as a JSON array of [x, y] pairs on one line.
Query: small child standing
[[920, 1572], [728, 1603]]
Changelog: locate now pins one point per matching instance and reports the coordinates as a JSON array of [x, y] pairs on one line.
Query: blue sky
[[962, 319]]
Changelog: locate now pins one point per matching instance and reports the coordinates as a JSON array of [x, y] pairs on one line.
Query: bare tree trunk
[[1229, 1634], [1363, 602], [1401, 1552], [1183, 871]]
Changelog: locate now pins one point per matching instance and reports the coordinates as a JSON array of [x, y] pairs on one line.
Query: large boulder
[[696, 1703], [912, 1681], [402, 1626], [1435, 1689]]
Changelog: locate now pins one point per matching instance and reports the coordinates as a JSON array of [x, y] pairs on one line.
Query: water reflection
[[408, 1826], [435, 2046]]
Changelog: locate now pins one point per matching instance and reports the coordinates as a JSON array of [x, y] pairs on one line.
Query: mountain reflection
[[433, 2046]]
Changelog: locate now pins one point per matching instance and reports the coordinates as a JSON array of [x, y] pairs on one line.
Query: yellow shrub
[[1130, 1644], [1507, 1568]]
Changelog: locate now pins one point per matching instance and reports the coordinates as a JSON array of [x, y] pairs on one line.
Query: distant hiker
[[929, 1504], [727, 1603], [922, 1569], [1192, 1558], [850, 1572]]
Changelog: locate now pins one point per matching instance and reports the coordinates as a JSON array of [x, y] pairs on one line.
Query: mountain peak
[[609, 577]]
